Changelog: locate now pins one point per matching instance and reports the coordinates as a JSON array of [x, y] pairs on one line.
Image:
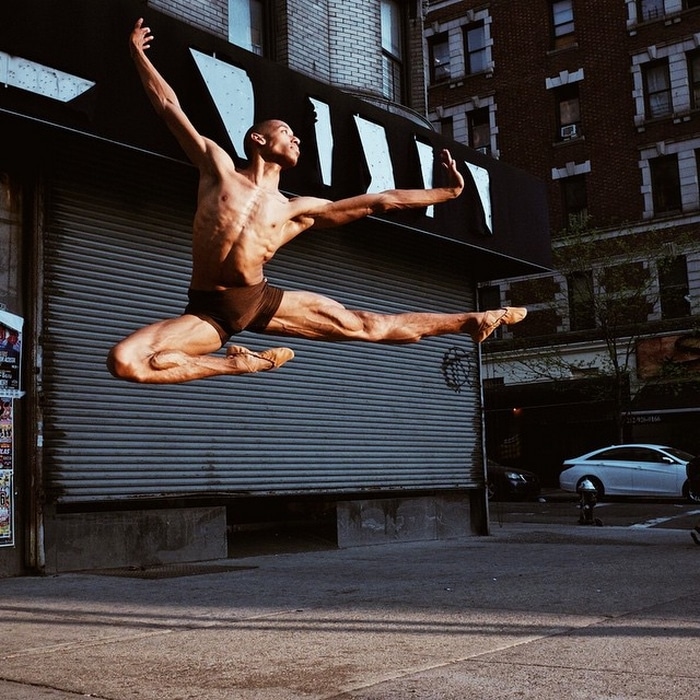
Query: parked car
[[631, 470], [511, 483]]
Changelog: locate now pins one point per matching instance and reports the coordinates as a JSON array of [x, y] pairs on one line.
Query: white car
[[630, 470]]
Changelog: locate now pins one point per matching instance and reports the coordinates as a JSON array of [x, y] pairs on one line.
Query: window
[[673, 287], [650, 9], [575, 201], [625, 299], [657, 89], [665, 184], [490, 297], [478, 123], [617, 454], [562, 23], [475, 48], [694, 78], [392, 51], [629, 454], [439, 50], [445, 127], [643, 455], [568, 112], [245, 25], [581, 307]]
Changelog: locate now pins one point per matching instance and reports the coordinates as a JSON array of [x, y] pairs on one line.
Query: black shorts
[[235, 309]]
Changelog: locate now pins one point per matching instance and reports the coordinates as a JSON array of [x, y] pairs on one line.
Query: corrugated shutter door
[[340, 417]]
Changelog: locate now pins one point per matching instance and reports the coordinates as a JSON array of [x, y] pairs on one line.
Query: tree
[[608, 297]]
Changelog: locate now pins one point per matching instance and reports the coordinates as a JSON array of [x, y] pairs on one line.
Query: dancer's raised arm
[[164, 99], [325, 213]]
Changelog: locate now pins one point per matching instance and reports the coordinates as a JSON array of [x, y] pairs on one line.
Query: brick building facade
[[601, 100], [370, 50]]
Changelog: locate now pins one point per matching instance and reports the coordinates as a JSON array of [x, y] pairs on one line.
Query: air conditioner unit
[[569, 131]]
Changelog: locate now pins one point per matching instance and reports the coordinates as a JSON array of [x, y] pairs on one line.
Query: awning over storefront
[[66, 66]]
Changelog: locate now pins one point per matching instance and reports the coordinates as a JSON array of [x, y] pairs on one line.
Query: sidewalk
[[532, 611]]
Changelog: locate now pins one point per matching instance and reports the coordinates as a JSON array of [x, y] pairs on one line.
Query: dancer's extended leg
[[310, 315]]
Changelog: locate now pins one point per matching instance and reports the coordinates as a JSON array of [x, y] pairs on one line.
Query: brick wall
[[355, 45], [335, 41], [308, 38], [616, 143], [210, 15], [524, 60]]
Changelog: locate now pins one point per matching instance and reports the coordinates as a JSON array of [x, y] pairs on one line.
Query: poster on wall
[[7, 534], [10, 353], [10, 389], [678, 353], [6, 472]]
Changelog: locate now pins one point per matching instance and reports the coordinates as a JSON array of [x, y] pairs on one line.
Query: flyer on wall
[[7, 534], [10, 389], [10, 353], [6, 490], [7, 538]]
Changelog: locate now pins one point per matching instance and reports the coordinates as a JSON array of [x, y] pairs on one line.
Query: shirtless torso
[[241, 221], [238, 226]]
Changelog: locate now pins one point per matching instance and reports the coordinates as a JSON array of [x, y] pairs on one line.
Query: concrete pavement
[[532, 611]]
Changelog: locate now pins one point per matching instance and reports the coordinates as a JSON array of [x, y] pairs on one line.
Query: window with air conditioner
[[569, 131], [568, 112]]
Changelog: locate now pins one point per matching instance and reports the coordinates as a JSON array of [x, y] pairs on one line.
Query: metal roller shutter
[[340, 417]]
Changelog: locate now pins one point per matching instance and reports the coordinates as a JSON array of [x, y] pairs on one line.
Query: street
[[560, 508], [548, 610]]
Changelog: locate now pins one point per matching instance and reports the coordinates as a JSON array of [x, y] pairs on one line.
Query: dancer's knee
[[122, 364], [115, 363]]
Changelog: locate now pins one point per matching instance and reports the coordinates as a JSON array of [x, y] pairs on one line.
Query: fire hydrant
[[589, 497]]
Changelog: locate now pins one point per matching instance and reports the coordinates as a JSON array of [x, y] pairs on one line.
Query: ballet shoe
[[495, 318], [276, 357]]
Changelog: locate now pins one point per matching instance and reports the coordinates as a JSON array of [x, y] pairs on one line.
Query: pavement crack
[[67, 646], [63, 691]]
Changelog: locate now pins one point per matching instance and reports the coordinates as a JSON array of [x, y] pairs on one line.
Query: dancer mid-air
[[241, 221]]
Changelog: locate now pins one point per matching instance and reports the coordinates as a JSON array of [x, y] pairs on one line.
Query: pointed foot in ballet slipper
[[500, 317], [277, 356], [272, 358]]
